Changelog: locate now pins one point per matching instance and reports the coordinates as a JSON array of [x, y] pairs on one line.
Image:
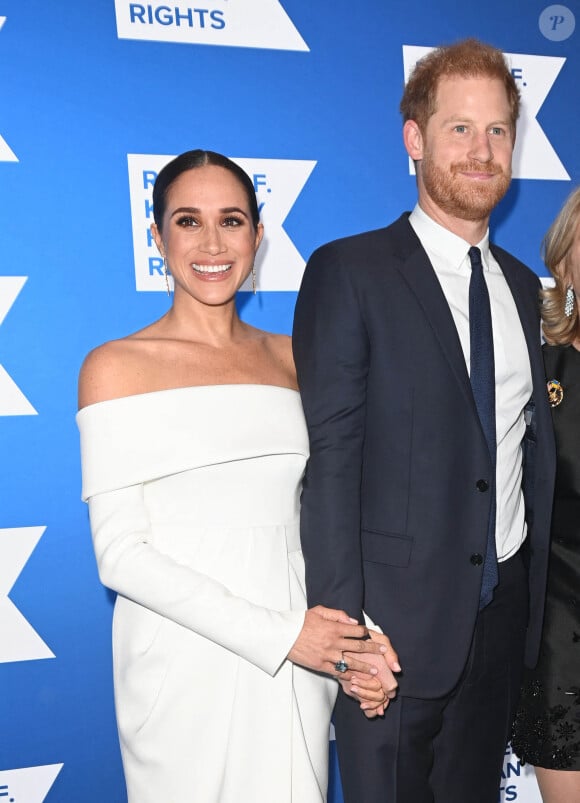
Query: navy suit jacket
[[392, 516]]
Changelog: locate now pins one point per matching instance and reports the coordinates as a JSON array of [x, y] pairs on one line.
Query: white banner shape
[[534, 157], [10, 287], [12, 400], [28, 785], [2, 21], [18, 639], [278, 182], [6, 153], [234, 23]]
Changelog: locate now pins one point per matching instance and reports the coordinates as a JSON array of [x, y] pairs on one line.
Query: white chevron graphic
[[28, 785], [6, 152], [18, 639], [12, 400], [10, 287]]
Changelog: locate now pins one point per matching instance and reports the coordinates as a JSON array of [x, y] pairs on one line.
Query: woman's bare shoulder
[[112, 370], [281, 344], [281, 348]]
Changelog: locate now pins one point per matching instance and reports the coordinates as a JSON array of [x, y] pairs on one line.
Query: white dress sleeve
[[131, 566]]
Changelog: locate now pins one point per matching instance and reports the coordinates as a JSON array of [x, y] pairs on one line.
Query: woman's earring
[[166, 273], [254, 280], [569, 302]]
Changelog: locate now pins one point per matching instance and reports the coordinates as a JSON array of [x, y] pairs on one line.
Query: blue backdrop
[[95, 96]]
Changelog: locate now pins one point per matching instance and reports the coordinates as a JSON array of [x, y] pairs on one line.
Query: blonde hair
[[556, 252]]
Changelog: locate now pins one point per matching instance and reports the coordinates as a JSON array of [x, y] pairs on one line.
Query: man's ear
[[413, 140]]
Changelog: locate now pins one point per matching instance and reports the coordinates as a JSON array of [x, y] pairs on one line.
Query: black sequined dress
[[547, 726]]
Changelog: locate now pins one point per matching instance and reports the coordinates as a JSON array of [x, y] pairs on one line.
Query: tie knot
[[475, 257]]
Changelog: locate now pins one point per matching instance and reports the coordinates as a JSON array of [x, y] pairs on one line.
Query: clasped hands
[[375, 685], [329, 636]]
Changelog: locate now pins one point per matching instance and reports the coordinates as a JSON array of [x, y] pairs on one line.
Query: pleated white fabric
[[194, 498]]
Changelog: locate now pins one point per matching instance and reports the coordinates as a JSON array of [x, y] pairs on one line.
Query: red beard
[[462, 197]]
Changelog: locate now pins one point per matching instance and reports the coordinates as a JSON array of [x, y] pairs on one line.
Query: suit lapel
[[417, 271]]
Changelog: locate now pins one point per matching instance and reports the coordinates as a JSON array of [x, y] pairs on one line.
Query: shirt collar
[[438, 240]]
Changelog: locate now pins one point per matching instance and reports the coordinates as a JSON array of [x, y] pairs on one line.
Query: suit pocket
[[392, 549]]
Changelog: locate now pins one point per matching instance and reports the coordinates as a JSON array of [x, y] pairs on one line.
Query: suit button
[[476, 559], [482, 485]]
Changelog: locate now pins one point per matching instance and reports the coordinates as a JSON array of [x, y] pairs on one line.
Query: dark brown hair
[[190, 160]]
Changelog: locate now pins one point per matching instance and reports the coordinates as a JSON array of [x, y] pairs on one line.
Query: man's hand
[[364, 689], [368, 692]]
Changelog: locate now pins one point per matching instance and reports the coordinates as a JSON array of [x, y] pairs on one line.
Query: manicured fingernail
[[397, 667], [374, 670], [354, 621], [383, 648]]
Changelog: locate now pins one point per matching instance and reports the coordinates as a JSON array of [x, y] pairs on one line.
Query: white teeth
[[211, 268]]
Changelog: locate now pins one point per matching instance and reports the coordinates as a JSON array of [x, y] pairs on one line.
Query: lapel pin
[[555, 392]]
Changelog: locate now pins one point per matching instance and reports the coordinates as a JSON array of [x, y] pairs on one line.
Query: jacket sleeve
[[331, 351], [130, 565]]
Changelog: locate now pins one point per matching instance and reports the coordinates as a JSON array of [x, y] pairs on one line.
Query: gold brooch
[[555, 392]]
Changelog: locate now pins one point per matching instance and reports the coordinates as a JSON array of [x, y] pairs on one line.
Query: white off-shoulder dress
[[194, 500]]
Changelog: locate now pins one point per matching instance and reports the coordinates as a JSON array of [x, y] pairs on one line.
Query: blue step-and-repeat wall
[[95, 96]]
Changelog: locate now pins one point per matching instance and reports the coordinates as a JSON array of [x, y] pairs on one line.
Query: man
[[427, 497]]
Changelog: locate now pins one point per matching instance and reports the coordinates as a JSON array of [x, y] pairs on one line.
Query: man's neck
[[473, 231]]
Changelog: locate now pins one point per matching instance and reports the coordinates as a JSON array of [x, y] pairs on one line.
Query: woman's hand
[[327, 636]]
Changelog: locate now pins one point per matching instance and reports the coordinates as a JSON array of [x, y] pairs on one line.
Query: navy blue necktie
[[482, 376]]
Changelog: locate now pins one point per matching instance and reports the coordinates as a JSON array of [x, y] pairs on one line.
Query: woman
[[193, 447], [547, 727]]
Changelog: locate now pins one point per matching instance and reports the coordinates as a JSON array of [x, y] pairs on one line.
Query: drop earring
[[253, 280], [166, 274], [569, 302]]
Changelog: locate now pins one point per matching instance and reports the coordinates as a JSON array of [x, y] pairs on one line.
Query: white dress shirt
[[448, 254]]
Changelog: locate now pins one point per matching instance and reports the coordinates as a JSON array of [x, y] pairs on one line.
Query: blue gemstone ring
[[341, 666]]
